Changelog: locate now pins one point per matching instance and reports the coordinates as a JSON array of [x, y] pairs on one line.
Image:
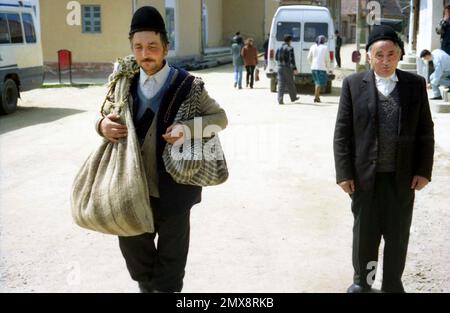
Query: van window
[[15, 27], [288, 28], [4, 32], [30, 33], [314, 30]]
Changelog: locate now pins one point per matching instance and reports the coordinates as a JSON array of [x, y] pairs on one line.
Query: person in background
[[441, 74], [286, 70], [238, 61], [250, 55], [443, 29], [338, 48], [266, 51], [236, 35], [319, 58]]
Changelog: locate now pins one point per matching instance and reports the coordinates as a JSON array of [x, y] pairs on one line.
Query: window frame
[[315, 37], [7, 29], [21, 28], [90, 8], [280, 37], [33, 28]]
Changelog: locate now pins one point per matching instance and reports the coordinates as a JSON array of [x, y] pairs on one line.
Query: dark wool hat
[[147, 19], [384, 32]]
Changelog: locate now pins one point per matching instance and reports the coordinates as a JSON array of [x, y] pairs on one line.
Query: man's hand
[[111, 129], [419, 182], [348, 186], [429, 86], [175, 134], [295, 72]]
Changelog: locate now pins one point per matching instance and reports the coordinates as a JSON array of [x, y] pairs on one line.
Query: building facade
[[96, 31]]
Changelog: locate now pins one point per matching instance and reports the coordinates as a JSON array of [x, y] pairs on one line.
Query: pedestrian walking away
[[383, 151], [266, 50], [286, 70], [319, 58], [338, 48], [250, 55], [238, 61], [154, 83]]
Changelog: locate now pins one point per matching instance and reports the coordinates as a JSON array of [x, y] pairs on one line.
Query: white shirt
[[385, 85], [319, 57], [150, 85]]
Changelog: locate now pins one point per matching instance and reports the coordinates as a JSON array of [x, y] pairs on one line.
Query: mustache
[[147, 60]]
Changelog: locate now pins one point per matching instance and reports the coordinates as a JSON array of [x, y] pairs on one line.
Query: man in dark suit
[[383, 150]]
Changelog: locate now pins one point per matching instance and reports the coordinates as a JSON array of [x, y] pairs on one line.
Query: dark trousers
[[161, 266], [286, 80], [338, 56], [384, 211], [250, 75]]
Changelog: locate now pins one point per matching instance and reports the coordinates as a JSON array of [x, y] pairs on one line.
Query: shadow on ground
[[29, 116]]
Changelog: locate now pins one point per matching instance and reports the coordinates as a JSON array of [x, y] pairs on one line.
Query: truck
[[304, 23], [21, 59]]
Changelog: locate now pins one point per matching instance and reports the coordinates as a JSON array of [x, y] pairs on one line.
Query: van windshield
[[314, 30], [288, 28]]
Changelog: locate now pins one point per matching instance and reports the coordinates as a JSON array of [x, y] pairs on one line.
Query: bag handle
[[109, 95]]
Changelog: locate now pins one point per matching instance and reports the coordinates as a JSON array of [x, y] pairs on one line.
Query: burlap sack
[[110, 193]]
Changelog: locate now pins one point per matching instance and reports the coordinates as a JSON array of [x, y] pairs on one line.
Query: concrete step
[[409, 70], [407, 66], [216, 56], [444, 93], [440, 106], [409, 59]]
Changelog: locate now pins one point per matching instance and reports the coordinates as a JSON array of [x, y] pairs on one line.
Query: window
[[314, 30], [4, 31], [15, 27], [288, 28], [91, 19], [28, 26]]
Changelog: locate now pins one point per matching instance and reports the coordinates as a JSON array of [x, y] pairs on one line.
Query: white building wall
[[429, 17]]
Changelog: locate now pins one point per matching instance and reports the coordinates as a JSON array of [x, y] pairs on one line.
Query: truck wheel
[[273, 85], [8, 97]]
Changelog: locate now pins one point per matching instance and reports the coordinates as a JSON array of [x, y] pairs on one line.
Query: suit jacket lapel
[[370, 92], [405, 94]]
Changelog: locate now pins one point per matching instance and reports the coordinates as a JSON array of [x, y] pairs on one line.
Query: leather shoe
[[358, 289], [436, 98]]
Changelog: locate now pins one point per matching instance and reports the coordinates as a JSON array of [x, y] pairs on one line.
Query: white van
[[21, 61], [304, 23]]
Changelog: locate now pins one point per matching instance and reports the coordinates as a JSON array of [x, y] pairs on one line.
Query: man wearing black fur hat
[[156, 90], [383, 150]]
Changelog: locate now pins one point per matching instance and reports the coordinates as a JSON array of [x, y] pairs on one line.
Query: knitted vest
[[388, 125]]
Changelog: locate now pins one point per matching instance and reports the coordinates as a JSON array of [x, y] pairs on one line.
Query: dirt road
[[279, 224]]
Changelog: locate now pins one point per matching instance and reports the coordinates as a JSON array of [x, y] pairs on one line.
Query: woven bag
[[198, 162]]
